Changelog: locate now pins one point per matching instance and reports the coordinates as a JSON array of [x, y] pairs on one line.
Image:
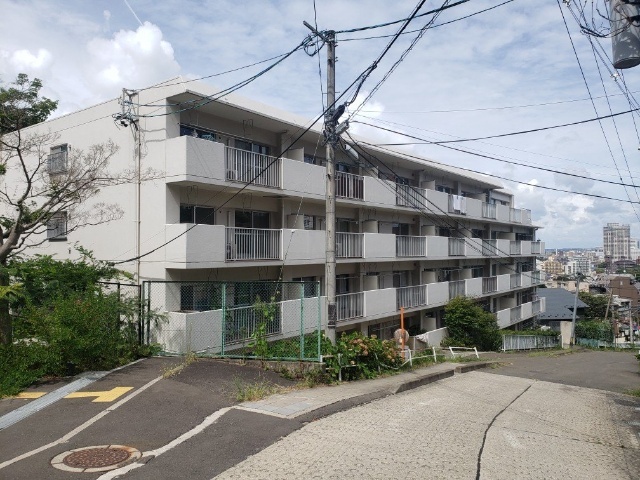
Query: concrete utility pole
[[330, 120], [575, 307]]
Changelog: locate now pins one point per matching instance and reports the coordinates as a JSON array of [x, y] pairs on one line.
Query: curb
[[348, 403]]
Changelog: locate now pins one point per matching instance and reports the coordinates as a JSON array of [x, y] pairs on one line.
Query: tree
[[597, 305], [469, 325], [21, 106], [46, 192]]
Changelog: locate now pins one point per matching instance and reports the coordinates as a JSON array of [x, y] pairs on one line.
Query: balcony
[[457, 204], [457, 288], [515, 247], [511, 316], [349, 245], [349, 186], [410, 297], [489, 285], [515, 281], [408, 196], [253, 244], [349, 306], [456, 247], [488, 210], [407, 246], [250, 167]]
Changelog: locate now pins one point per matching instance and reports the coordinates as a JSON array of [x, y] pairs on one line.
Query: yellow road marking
[[105, 396], [30, 395]]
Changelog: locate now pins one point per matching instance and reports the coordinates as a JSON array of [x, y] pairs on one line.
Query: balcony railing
[[515, 281], [488, 210], [408, 196], [241, 323], [349, 245], [536, 307], [349, 305], [515, 215], [536, 248], [489, 248], [250, 167], [349, 185], [409, 297], [456, 247], [457, 204], [515, 247], [515, 314], [407, 246], [457, 289], [57, 162], [252, 244], [489, 285]]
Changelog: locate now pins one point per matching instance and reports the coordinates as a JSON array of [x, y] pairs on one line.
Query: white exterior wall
[[192, 170]]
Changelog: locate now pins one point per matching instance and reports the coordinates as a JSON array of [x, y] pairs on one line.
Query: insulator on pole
[[625, 33]]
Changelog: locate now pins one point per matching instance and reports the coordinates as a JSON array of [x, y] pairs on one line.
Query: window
[[342, 284], [400, 229], [200, 297], [477, 271], [197, 214], [310, 286], [57, 227], [444, 188], [57, 159], [250, 146], [313, 222], [313, 159], [187, 130], [251, 219]]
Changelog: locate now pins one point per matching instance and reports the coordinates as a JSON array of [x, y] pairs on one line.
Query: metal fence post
[[319, 324], [224, 317], [301, 321]]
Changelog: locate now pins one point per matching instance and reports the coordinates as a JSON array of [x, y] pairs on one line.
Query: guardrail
[[530, 342], [349, 305], [349, 245], [349, 185], [250, 167], [252, 244]]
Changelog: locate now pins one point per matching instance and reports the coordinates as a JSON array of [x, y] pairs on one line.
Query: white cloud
[[130, 58]]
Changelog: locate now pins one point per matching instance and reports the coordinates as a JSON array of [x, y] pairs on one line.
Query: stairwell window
[[57, 227], [57, 159]]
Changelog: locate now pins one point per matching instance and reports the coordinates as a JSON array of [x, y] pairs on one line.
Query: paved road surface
[[476, 425]]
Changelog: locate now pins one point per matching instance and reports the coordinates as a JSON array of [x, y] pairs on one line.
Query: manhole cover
[[95, 459]]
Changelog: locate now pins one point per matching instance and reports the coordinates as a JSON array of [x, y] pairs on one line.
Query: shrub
[[360, 356], [470, 326], [594, 329]]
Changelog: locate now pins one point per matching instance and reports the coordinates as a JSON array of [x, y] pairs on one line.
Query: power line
[[510, 134], [584, 78], [498, 176], [489, 156], [434, 26], [581, 162], [407, 20]]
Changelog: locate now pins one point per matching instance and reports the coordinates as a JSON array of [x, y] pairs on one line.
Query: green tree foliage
[[22, 106], [597, 304], [594, 330], [471, 326], [64, 317]]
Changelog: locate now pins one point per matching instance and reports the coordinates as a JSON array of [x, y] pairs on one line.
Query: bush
[[360, 356], [594, 329], [470, 326]]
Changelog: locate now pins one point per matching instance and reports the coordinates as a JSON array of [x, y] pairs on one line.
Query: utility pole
[[330, 120], [575, 307]]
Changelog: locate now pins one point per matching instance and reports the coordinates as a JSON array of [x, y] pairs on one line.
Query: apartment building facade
[[616, 241], [225, 203]]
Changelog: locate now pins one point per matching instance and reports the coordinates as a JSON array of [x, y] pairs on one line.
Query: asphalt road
[[190, 425]]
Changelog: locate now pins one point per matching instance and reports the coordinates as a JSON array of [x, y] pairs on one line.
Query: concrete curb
[[348, 403]]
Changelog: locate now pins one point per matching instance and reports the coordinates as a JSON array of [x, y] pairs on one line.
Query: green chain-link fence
[[267, 320]]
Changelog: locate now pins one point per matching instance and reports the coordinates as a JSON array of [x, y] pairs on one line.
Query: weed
[[174, 370], [635, 392], [250, 392]]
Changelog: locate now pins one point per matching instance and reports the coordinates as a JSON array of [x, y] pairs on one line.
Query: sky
[[510, 69]]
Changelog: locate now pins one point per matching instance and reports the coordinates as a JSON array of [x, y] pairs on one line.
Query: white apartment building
[[616, 240], [225, 205]]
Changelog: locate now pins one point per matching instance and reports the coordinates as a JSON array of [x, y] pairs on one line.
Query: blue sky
[[481, 76]]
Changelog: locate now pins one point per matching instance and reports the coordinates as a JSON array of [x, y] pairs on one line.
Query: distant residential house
[[558, 313]]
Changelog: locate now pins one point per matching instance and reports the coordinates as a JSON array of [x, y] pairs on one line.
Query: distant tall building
[[634, 251], [616, 242]]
